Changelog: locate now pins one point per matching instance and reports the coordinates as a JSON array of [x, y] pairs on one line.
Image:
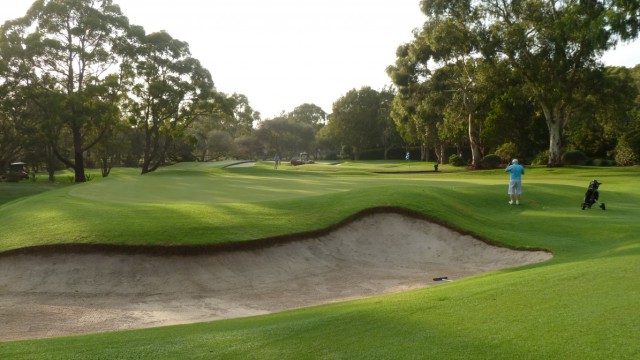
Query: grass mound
[[582, 304]]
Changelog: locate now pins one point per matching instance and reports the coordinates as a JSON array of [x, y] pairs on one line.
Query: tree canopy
[[554, 46]]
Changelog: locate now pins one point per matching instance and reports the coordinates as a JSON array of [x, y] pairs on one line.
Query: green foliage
[[13, 176], [457, 160], [310, 114], [507, 151], [541, 158], [628, 149], [602, 162], [574, 157], [491, 161], [360, 119], [286, 136]]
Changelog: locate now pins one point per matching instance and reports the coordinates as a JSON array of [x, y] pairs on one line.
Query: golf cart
[[19, 168], [304, 159]]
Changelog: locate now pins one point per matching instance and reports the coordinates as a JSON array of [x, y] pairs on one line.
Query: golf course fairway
[[352, 250]]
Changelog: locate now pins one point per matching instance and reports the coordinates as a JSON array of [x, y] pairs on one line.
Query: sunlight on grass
[[580, 305]]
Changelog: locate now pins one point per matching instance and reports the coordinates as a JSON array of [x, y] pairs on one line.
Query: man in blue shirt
[[515, 171]]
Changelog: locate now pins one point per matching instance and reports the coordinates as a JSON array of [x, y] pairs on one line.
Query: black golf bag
[[592, 195]]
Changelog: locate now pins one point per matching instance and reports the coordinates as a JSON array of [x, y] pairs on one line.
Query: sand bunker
[[43, 295]]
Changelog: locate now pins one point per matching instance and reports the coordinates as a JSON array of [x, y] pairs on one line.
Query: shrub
[[456, 160], [491, 161], [574, 157], [601, 162], [13, 176], [507, 151], [541, 159], [332, 156], [628, 149]]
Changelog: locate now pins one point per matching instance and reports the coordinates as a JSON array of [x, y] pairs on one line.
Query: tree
[[110, 149], [310, 114], [61, 54], [219, 144], [234, 114], [450, 38], [230, 114], [390, 137], [604, 115], [169, 89], [554, 45], [247, 147], [418, 107], [355, 120], [286, 137], [10, 141]]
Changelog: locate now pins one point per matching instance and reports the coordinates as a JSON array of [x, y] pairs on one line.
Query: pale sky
[[283, 53]]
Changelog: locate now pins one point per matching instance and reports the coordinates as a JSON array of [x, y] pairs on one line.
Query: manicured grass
[[583, 304]]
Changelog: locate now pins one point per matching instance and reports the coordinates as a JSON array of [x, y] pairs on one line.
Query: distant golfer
[[515, 171], [276, 161]]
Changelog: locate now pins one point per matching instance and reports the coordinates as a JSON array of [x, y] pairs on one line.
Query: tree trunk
[[474, 142], [51, 164], [78, 156], [356, 153], [554, 124]]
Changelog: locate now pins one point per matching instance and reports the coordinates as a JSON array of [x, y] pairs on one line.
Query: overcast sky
[[283, 53]]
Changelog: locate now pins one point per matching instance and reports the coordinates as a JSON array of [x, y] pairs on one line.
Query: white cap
[[514, 161]]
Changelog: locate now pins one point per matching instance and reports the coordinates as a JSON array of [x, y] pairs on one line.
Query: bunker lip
[[208, 249], [74, 289]]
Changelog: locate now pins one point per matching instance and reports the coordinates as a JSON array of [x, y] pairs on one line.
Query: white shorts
[[515, 187]]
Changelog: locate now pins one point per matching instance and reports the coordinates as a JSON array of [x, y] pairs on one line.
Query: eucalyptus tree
[[451, 38], [285, 136], [554, 44], [356, 120], [605, 115], [311, 114], [390, 137], [169, 89], [231, 115], [234, 114], [61, 56], [11, 141], [418, 105]]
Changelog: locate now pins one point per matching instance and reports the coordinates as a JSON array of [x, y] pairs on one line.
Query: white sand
[[62, 294]]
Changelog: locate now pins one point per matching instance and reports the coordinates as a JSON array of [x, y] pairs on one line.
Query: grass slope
[[583, 304]]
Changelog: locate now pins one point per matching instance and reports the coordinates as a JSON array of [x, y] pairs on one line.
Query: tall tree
[[605, 115], [169, 89], [355, 120], [311, 114], [62, 51], [450, 38], [418, 107], [230, 114], [390, 137], [286, 137], [554, 45]]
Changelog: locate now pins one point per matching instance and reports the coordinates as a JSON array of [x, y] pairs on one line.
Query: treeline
[[82, 87], [492, 74]]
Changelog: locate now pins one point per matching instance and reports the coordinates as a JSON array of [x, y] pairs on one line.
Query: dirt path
[[62, 294]]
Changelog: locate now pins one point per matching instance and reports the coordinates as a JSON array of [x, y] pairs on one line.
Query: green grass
[[583, 304]]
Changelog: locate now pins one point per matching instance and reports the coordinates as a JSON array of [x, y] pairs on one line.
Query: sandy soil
[[53, 294]]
